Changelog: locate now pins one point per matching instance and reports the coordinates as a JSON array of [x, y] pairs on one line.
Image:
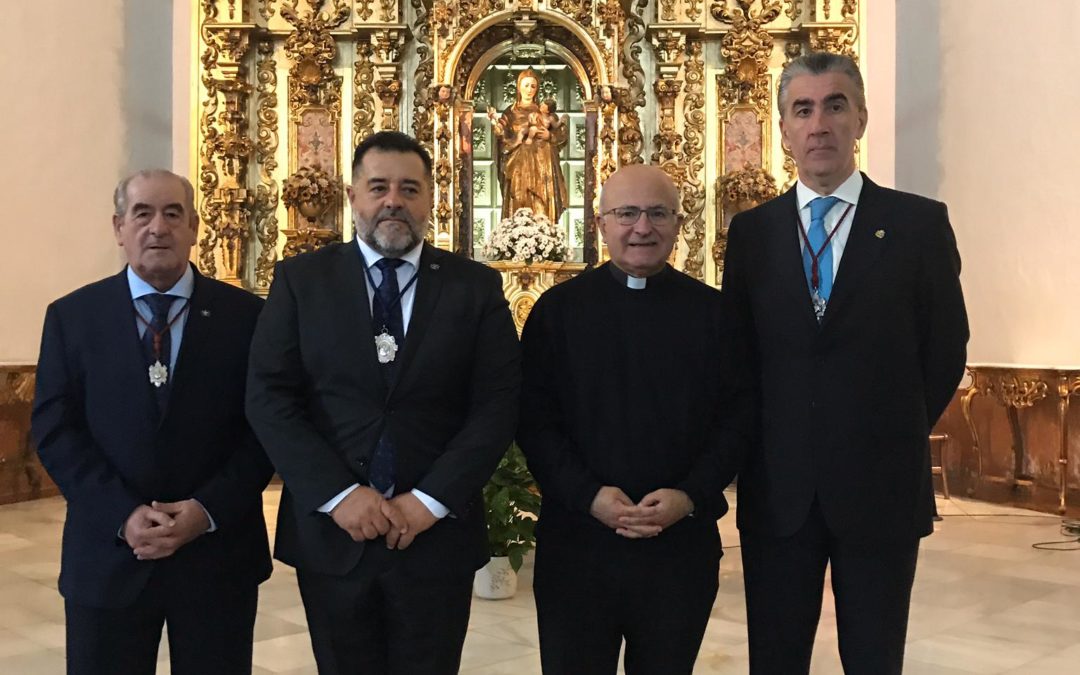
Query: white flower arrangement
[[528, 238]]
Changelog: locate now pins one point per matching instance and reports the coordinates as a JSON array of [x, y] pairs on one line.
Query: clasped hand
[[655, 512], [159, 530], [365, 514]]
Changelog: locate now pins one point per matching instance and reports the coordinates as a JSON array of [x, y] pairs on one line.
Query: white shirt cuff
[[436, 507], [329, 506]]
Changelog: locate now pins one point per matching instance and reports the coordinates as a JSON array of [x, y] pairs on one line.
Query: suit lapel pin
[[205, 312], [880, 234], [435, 266]]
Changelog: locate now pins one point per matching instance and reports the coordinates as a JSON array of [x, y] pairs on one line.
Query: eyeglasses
[[628, 215]]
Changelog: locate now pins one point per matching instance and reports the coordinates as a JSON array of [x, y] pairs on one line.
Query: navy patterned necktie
[[386, 309], [160, 304], [386, 315]]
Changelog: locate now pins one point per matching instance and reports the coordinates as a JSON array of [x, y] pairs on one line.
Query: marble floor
[[984, 602]]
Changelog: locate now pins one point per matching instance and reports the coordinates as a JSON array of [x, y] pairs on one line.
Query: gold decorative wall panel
[[287, 89]]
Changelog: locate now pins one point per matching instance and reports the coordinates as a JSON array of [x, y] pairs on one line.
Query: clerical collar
[[636, 283]]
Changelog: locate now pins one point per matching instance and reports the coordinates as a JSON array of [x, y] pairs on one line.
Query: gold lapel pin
[[880, 234]]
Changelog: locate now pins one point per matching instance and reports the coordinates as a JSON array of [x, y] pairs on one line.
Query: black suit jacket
[[846, 406], [104, 443], [319, 403]]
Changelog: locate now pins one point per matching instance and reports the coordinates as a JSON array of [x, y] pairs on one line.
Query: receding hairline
[[120, 194], [649, 171]]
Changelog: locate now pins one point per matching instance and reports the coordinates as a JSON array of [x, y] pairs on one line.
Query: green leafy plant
[[512, 503]]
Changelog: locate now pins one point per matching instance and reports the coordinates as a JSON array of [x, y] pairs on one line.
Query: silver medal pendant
[[159, 374], [386, 347], [819, 304]]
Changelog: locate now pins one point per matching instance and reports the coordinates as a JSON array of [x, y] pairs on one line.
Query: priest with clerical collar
[[633, 428]]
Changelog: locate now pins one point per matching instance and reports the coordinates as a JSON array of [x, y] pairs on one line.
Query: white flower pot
[[496, 580]]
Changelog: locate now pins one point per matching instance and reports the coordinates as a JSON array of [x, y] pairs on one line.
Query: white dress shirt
[[404, 275], [847, 193]]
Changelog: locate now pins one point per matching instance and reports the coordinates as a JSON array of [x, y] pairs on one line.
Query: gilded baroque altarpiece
[[287, 88]]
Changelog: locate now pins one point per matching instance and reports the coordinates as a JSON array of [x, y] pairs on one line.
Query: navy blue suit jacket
[[846, 405], [104, 443]]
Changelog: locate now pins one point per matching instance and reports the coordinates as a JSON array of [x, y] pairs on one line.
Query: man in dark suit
[[384, 384], [139, 419], [851, 377]]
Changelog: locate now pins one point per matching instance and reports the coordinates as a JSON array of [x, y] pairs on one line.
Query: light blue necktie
[[816, 237]]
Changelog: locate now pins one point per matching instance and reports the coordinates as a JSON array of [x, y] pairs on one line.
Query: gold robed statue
[[529, 137]]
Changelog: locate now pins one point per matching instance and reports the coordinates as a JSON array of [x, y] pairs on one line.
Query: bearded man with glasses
[[633, 428]]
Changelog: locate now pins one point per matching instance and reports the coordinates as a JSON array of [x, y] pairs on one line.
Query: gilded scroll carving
[[693, 185], [667, 10], [311, 49], [631, 142], [266, 9], [266, 145], [314, 125], [389, 92], [422, 77], [578, 10], [746, 49], [387, 10], [225, 151], [668, 142], [838, 39], [363, 94], [607, 132], [443, 173]]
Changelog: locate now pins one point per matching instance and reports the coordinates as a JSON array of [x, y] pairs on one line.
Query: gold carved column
[[226, 148]]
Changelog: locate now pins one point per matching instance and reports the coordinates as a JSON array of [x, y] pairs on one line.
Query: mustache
[[394, 213]]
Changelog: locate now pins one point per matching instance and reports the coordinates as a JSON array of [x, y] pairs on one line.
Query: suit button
[[389, 411], [361, 461]]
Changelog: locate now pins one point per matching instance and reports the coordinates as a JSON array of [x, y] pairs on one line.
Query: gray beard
[[385, 246], [383, 243]]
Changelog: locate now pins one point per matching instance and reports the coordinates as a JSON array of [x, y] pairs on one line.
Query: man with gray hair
[[847, 311], [139, 419]]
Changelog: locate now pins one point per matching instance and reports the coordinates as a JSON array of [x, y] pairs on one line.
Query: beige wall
[[987, 96], [87, 89]]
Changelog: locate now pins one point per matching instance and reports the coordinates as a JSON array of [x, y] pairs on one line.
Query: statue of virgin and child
[[529, 138]]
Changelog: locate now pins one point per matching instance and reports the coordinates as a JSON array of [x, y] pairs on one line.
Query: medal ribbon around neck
[[815, 277], [386, 347], [159, 373]]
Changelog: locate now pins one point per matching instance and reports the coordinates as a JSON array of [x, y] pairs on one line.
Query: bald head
[[634, 177], [639, 206]]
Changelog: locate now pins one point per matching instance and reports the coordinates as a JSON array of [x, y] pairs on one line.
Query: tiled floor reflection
[[985, 602]]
